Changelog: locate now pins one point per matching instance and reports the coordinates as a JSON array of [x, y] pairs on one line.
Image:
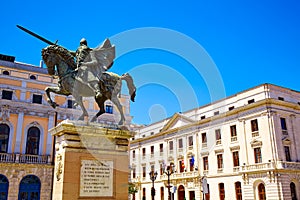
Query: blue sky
[[234, 45]]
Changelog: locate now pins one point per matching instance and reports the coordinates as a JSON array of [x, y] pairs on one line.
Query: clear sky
[[182, 54]]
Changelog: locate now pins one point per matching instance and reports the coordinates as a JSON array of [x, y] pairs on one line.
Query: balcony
[[255, 134], [218, 142], [288, 165], [257, 167], [24, 158], [233, 138], [182, 175]]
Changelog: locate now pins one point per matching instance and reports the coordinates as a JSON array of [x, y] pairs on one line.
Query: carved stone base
[[91, 162]]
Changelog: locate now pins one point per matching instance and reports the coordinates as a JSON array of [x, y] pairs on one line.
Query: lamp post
[[169, 172], [153, 176]]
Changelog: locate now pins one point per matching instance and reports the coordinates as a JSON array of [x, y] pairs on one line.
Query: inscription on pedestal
[[96, 178]]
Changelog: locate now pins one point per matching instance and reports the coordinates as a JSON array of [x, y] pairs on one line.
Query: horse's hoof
[[121, 122]]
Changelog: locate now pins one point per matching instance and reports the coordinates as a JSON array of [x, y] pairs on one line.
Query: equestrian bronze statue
[[84, 74]]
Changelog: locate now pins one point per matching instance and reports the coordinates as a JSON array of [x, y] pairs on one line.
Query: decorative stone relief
[[5, 113], [58, 170]]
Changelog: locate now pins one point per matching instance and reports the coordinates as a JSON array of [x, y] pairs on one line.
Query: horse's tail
[[130, 85]]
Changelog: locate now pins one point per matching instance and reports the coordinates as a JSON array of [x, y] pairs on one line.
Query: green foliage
[[132, 188]]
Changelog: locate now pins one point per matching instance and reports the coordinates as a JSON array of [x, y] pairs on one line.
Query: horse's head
[[56, 55], [49, 57]]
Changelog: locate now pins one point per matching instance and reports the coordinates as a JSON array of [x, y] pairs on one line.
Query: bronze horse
[[69, 84]]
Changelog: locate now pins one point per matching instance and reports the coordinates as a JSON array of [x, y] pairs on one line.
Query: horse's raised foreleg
[[55, 90], [100, 101]]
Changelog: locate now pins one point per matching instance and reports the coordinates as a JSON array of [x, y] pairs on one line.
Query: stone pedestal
[[91, 162]]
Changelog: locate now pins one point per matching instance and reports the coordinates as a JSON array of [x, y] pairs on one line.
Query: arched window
[[30, 188], [33, 141], [261, 192], [222, 191], [5, 73], [238, 190], [3, 187], [4, 136], [293, 191], [32, 77]]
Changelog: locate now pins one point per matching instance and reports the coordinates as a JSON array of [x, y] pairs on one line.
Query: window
[[144, 171], [221, 191], [5, 73], [238, 190], [216, 113], [205, 163], [133, 154], [180, 144], [162, 193], [71, 103], [261, 192], [283, 126], [254, 125], [254, 128], [218, 136], [161, 148], [4, 184], [251, 101], [134, 173], [190, 141], [281, 98], [287, 153], [171, 146], [161, 168], [152, 151], [231, 108], [192, 163], [236, 159], [32, 77], [204, 139], [293, 191], [4, 137], [144, 152], [233, 133], [257, 155], [220, 161], [181, 166], [144, 193], [37, 98], [202, 117], [33, 141], [233, 130], [7, 94], [109, 109]]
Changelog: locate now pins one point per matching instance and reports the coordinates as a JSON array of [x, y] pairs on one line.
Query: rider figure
[[81, 54]]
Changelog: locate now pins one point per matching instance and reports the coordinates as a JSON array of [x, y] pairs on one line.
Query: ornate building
[[26, 147], [246, 146]]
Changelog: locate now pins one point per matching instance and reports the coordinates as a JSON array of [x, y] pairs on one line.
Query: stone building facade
[[246, 146], [26, 147]]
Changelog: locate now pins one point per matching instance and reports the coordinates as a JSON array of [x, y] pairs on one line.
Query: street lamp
[[169, 172], [153, 176]]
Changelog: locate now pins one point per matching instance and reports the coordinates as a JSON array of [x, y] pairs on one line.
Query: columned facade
[[26, 147], [243, 147]]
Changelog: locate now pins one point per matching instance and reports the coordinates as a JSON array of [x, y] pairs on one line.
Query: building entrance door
[[3, 187], [192, 195], [30, 188], [181, 193]]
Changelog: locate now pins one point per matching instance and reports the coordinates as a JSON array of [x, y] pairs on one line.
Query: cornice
[[240, 111]]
